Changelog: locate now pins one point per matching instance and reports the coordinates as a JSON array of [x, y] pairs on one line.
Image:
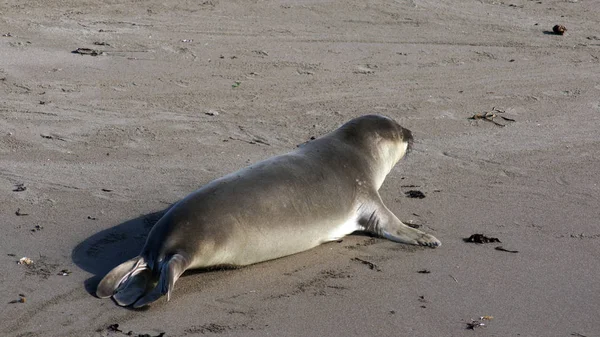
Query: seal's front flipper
[[404, 234], [170, 270], [379, 220]]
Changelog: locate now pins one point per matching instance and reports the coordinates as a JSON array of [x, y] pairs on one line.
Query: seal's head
[[381, 136]]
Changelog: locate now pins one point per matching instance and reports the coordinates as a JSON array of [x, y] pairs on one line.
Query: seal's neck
[[390, 152]]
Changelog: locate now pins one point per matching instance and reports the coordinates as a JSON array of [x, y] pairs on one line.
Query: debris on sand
[[19, 213], [490, 115], [424, 271], [480, 238], [253, 141], [64, 272], [114, 328], [25, 260], [502, 249], [577, 334], [20, 187], [87, 51], [52, 136], [415, 194], [559, 29], [476, 323], [37, 228], [261, 53], [371, 265], [366, 69], [423, 300], [22, 299]]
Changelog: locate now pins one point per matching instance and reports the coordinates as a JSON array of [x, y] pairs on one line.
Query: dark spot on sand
[[480, 238]]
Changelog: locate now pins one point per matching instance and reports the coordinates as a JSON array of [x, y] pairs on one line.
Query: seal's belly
[[283, 243], [251, 247]]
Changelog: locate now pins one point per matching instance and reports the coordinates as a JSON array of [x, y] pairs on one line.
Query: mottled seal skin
[[322, 191]]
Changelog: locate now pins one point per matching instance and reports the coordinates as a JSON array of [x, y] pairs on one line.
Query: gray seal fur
[[320, 192]]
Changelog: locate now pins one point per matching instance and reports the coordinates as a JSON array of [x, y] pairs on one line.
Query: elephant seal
[[287, 204]]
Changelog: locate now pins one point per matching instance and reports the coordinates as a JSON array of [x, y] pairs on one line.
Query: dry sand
[[102, 143]]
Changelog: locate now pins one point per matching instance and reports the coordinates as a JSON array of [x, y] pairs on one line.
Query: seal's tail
[[134, 282]]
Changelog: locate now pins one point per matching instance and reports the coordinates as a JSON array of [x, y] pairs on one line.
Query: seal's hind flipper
[[379, 220], [170, 270], [116, 277], [134, 287]]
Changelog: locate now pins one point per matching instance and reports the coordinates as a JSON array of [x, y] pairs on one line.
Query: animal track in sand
[[319, 285]]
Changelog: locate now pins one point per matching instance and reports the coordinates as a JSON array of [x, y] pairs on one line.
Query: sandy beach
[[113, 110]]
